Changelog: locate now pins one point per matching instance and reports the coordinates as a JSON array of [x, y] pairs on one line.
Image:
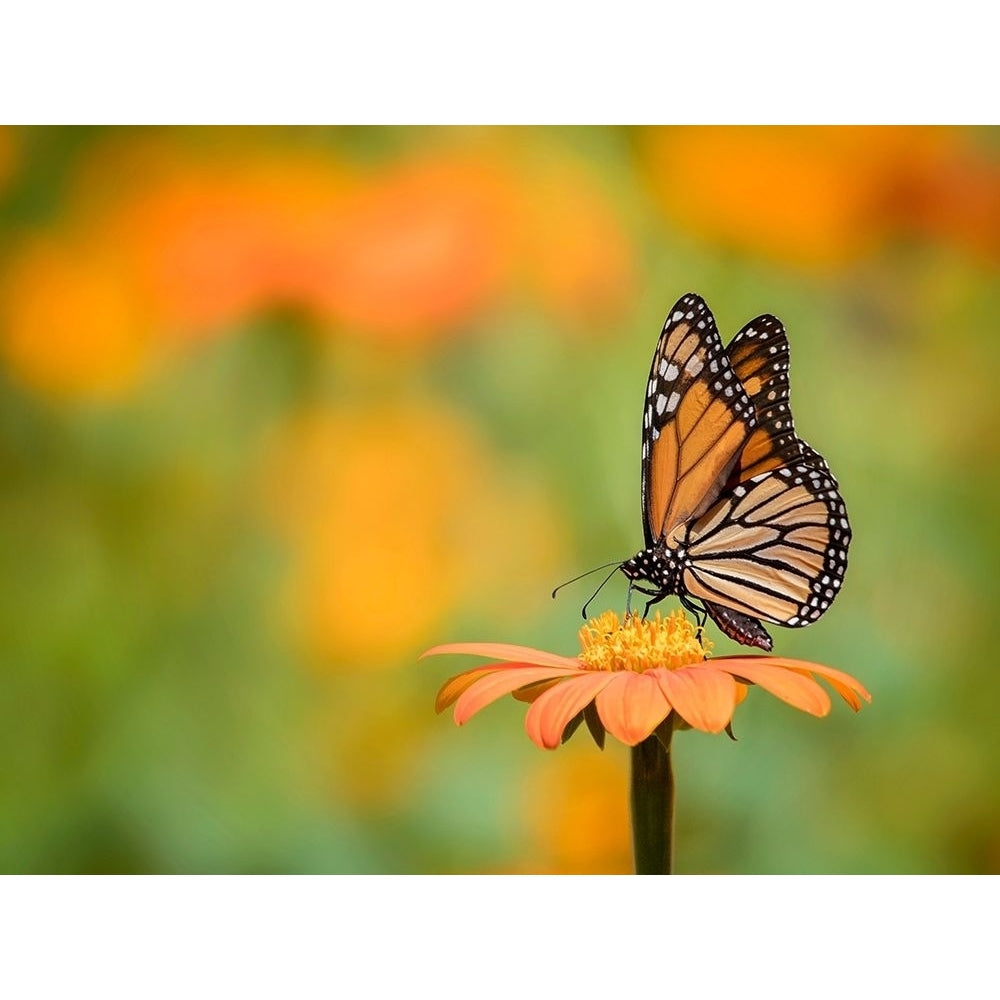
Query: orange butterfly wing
[[728, 487], [759, 355], [697, 418]]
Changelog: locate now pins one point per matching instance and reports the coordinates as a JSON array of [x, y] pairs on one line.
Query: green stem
[[652, 802]]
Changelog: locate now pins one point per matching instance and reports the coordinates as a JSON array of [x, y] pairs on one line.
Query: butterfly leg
[[653, 600], [700, 614], [655, 596]]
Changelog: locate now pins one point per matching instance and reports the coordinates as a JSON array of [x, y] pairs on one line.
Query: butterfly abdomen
[[742, 628]]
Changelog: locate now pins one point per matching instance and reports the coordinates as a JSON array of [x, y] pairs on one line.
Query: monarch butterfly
[[739, 513]]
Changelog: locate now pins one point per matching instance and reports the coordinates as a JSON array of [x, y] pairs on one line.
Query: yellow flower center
[[608, 643]]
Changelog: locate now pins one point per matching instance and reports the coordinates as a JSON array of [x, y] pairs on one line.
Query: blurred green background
[[280, 408]]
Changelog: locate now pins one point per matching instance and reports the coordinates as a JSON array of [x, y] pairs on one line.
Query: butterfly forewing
[[759, 355], [696, 420]]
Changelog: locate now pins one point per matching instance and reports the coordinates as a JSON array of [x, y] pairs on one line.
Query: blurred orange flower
[[70, 324], [399, 507], [169, 240], [629, 676], [212, 243], [816, 196], [950, 190], [577, 255], [420, 247], [404, 251], [576, 810]]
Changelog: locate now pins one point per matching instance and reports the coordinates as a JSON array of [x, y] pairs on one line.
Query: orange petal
[[849, 688], [807, 666], [632, 706], [457, 685], [550, 714], [506, 651], [765, 671], [533, 691], [845, 692], [496, 684], [703, 696]]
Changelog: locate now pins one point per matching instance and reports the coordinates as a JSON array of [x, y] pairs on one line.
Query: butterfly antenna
[[596, 569], [600, 588]]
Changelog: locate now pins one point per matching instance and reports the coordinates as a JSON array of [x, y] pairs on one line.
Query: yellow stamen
[[638, 644]]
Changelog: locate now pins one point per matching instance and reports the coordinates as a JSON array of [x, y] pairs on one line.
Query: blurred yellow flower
[[401, 508], [575, 807], [71, 325]]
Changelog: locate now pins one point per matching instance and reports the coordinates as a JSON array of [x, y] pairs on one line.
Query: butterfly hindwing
[[774, 548], [696, 420]]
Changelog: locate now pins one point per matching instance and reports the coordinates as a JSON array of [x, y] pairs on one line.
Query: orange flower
[[812, 196], [212, 243], [70, 325], [419, 249], [577, 254], [575, 810], [629, 677]]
